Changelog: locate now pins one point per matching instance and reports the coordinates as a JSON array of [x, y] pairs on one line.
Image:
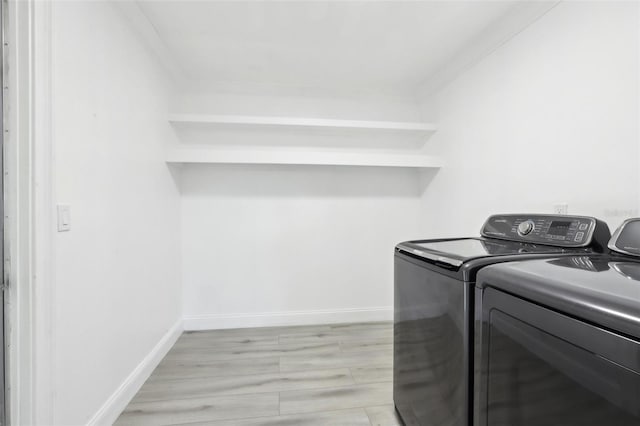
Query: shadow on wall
[[302, 181]]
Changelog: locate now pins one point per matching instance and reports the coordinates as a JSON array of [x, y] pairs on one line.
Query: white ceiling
[[388, 47]]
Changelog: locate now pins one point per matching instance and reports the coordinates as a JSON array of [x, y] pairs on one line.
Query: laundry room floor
[[311, 375]]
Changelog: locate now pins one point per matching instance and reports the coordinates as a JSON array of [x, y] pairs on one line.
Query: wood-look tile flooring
[[337, 374]]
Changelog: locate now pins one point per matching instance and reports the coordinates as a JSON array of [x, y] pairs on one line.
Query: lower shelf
[[219, 156]]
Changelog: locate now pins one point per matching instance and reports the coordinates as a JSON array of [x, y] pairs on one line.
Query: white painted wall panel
[[263, 241], [551, 116], [117, 271]]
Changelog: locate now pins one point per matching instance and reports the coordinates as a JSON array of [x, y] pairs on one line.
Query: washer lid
[[456, 251], [626, 239]]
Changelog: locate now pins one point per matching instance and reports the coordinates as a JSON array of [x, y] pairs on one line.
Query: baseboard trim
[[111, 409], [274, 319]]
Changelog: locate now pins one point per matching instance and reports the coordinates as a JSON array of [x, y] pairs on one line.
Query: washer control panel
[[557, 230]]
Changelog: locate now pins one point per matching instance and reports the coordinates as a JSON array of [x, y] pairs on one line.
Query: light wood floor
[[313, 375]]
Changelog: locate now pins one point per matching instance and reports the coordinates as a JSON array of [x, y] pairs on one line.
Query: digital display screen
[[559, 228]]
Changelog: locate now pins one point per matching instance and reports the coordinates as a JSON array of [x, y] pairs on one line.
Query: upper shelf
[[302, 122]]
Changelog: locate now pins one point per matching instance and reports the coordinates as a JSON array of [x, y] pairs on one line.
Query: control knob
[[526, 227]]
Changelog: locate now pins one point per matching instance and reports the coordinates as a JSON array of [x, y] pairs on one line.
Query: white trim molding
[[117, 402], [289, 318], [44, 218], [29, 191]]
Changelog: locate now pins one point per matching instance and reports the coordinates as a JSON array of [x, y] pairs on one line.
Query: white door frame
[[30, 218]]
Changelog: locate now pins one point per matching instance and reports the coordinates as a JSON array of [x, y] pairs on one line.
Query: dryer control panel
[[557, 230], [626, 239]]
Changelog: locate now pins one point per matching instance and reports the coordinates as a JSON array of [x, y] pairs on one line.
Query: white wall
[[261, 244], [117, 275], [267, 245], [551, 116]]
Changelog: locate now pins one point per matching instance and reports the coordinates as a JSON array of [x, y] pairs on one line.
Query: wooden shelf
[[206, 155], [247, 120]]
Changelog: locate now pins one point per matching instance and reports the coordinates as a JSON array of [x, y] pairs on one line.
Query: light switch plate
[[64, 218]]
